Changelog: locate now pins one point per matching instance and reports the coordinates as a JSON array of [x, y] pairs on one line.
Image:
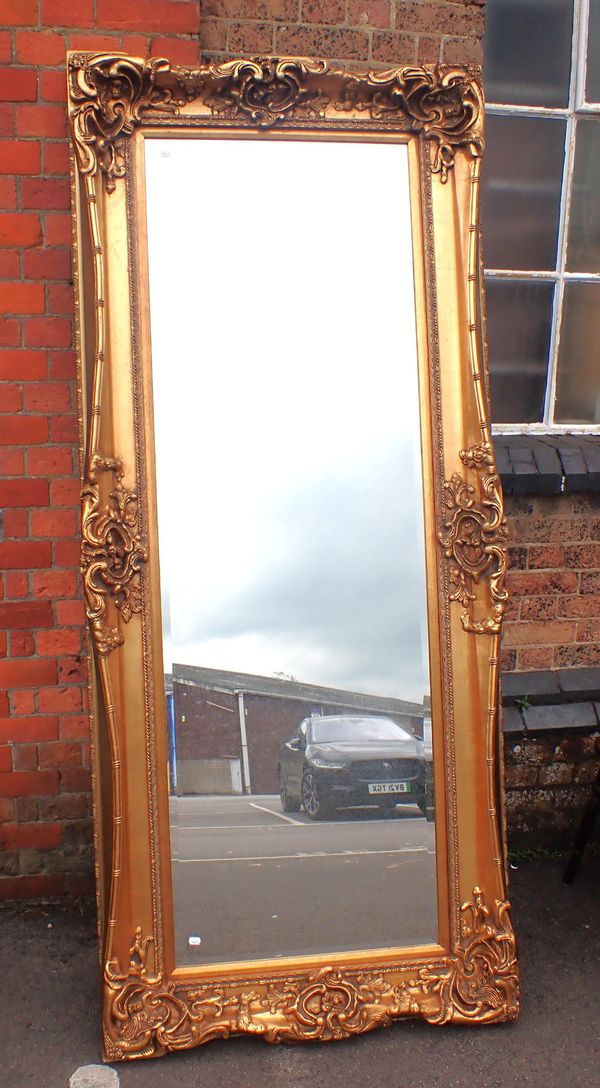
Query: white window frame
[[577, 106]]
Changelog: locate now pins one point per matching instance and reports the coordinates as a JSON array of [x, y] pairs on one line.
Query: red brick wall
[[553, 618], [548, 780], [45, 831], [378, 31], [44, 759]]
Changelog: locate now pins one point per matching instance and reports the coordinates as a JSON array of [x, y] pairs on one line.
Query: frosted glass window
[[521, 191], [519, 314], [527, 48], [578, 384], [541, 210], [583, 252], [592, 89]]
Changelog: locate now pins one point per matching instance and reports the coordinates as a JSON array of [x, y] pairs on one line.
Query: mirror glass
[[290, 509]]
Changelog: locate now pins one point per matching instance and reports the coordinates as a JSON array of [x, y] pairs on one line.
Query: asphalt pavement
[[50, 1012], [251, 881]]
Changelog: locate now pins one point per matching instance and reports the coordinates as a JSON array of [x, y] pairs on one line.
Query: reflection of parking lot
[[252, 881]]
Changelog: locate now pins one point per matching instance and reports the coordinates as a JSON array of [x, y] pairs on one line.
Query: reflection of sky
[[285, 392]]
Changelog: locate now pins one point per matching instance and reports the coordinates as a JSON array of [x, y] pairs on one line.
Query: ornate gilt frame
[[471, 974]]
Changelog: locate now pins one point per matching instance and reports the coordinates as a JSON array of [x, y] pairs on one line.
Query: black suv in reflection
[[341, 761]]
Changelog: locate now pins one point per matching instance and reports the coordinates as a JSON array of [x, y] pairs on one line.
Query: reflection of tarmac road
[[251, 881]]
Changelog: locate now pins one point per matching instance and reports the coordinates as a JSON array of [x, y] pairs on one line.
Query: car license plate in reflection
[[389, 787]]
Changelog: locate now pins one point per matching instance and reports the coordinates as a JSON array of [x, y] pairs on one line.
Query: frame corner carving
[[108, 96]]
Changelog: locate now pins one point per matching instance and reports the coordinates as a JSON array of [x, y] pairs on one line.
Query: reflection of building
[[225, 728]]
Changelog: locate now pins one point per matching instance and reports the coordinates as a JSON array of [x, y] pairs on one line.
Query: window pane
[[578, 377], [592, 83], [583, 251], [519, 315], [521, 191], [527, 49]]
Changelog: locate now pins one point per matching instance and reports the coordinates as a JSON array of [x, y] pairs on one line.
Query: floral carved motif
[[145, 1015], [328, 1004], [266, 92], [474, 538], [112, 553], [483, 981], [444, 104], [111, 95]]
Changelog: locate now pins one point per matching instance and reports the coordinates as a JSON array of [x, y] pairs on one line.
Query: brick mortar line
[[365, 28]]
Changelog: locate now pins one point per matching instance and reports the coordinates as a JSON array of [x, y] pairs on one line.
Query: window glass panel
[[578, 378], [583, 251], [521, 191], [527, 49], [592, 83], [519, 315]]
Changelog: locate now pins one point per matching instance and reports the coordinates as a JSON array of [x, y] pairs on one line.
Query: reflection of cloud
[[341, 603], [286, 407]]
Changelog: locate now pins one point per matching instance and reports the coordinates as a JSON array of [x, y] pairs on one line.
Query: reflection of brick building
[[227, 727]]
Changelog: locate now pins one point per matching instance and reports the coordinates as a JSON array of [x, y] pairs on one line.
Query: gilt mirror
[[293, 550]]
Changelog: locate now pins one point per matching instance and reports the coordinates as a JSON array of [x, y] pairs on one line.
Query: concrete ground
[[307, 886], [49, 1009]]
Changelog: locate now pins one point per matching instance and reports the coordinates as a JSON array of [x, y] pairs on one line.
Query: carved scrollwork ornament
[[111, 95], [440, 102], [268, 91], [474, 537], [483, 981], [144, 1015], [112, 553]]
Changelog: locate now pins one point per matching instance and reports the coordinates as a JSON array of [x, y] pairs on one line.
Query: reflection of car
[[350, 760]]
